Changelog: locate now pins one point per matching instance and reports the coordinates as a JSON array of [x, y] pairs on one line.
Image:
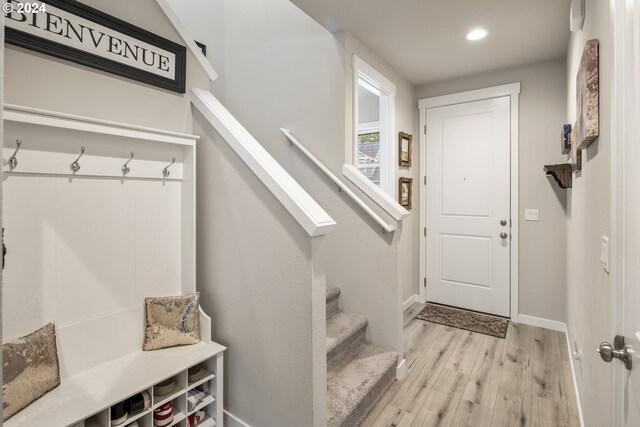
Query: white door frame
[[513, 91], [624, 69]]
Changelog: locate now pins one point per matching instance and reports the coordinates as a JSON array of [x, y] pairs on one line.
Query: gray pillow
[[30, 370], [171, 321]]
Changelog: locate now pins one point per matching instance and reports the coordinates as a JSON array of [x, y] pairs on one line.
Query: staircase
[[358, 372]]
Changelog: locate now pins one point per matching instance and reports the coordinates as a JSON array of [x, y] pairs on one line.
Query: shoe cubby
[[203, 378], [131, 411]]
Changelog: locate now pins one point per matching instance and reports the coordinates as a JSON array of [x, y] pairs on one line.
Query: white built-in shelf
[[207, 422], [135, 417], [82, 395], [177, 417], [208, 376], [168, 398], [22, 114], [205, 402]]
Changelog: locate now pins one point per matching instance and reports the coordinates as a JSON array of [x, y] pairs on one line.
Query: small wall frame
[[405, 192], [405, 142]]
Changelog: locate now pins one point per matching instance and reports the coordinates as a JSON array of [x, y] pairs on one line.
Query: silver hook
[[13, 162], [75, 166], [165, 171], [125, 168]]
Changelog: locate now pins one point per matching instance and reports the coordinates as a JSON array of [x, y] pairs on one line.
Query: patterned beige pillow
[[30, 370], [172, 321]]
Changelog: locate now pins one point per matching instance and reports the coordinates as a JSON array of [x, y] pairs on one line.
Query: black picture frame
[[38, 44]]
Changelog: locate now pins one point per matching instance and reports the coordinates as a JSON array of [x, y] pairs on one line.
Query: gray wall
[[589, 289], [42, 81], [262, 307], [542, 249], [406, 120], [288, 71]]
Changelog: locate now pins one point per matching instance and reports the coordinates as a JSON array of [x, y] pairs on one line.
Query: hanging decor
[[587, 96], [73, 31], [404, 149], [405, 192]]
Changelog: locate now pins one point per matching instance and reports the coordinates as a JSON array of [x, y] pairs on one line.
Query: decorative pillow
[[172, 321], [30, 370]]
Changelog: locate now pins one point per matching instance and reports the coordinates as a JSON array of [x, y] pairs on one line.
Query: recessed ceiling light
[[477, 34]]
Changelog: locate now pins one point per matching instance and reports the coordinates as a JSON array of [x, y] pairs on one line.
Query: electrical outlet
[[531, 214], [604, 253]]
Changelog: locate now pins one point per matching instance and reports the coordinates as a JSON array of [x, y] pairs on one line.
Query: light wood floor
[[460, 378]]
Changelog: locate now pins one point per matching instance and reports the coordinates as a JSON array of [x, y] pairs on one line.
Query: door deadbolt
[[619, 351], [503, 235], [503, 222]]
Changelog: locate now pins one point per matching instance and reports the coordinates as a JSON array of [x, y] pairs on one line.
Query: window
[[373, 103]]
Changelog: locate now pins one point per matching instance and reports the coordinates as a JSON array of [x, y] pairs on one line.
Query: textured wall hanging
[[587, 96], [30, 369]]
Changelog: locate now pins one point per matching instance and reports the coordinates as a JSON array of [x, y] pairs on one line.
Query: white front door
[[468, 205]]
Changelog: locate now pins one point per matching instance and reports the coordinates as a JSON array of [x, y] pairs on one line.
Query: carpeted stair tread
[[354, 385], [332, 293], [342, 327], [332, 301]]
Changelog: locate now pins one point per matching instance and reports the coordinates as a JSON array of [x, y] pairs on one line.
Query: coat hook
[[165, 171], [13, 162], [75, 166], [125, 168]]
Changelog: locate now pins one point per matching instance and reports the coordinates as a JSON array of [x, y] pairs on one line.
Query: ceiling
[[425, 39]]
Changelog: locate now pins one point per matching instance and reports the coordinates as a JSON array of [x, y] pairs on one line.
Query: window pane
[[369, 155]]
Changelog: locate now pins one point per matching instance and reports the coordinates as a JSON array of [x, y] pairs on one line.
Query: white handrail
[[385, 226], [298, 202]]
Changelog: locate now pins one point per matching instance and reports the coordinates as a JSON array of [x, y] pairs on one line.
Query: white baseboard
[[409, 302], [232, 421], [573, 375], [542, 323], [401, 369]]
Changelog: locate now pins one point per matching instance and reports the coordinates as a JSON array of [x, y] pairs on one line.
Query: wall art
[[588, 96], [405, 142], [73, 31], [405, 192]]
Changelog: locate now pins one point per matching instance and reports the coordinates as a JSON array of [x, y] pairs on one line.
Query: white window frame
[[387, 92]]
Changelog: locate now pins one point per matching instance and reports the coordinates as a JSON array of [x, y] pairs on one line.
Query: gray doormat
[[462, 319]]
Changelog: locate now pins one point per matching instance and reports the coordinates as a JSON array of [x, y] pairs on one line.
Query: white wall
[[65, 236], [542, 249], [256, 275], [589, 289]]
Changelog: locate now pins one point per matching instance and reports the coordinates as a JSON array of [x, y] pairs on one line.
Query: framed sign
[[70, 30]]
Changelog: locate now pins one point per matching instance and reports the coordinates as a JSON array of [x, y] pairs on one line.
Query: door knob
[[503, 235], [503, 222], [618, 351]]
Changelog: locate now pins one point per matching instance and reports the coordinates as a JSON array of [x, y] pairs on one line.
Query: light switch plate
[[531, 215], [604, 253]]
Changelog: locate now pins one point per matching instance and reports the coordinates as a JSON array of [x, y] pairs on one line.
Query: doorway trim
[[511, 90]]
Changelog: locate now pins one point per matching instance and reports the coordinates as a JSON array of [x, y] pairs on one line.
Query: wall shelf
[[561, 173]]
